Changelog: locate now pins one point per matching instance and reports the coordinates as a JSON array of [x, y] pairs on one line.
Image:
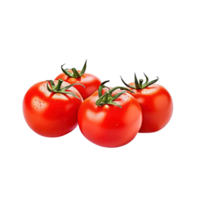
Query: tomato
[[110, 117], [72, 76], [155, 101], [51, 112]]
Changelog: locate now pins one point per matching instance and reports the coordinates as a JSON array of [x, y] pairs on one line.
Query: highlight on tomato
[[155, 101], [72, 76], [110, 117], [50, 108]]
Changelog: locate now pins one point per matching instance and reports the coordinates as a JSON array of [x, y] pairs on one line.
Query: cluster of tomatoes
[[109, 117]]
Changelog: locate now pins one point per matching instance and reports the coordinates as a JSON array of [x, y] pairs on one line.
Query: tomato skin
[[51, 114], [157, 107], [90, 82], [109, 125]]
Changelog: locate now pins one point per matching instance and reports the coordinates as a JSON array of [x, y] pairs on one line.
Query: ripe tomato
[[51, 112], [110, 117], [72, 76], [155, 101]]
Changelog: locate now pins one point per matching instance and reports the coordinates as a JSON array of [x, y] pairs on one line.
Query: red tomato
[[51, 112], [156, 104], [90, 81], [112, 120]]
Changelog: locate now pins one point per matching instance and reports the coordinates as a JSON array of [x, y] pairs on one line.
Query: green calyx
[[75, 73], [57, 88], [107, 98], [139, 84]]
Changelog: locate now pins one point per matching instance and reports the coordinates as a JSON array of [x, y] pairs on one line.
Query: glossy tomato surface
[[90, 82], [157, 107], [110, 125], [51, 114]]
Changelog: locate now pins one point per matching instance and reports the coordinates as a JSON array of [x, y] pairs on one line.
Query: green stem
[[150, 83], [75, 73], [58, 89], [137, 86], [140, 85], [121, 88], [103, 83], [66, 72], [84, 68], [101, 87], [107, 98], [146, 76], [58, 86]]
